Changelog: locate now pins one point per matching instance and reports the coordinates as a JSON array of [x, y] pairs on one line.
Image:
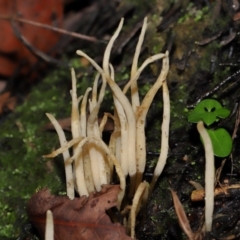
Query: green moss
[[193, 13], [22, 143]]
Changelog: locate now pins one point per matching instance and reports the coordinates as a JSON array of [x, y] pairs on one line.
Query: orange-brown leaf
[[13, 52], [81, 218]]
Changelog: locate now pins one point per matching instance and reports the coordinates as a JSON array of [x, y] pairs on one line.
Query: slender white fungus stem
[[103, 122], [94, 92], [141, 119], [209, 175], [115, 142], [64, 148], [134, 86], [79, 98], [109, 166], [87, 169], [85, 156], [95, 65], [95, 164], [66, 156], [75, 112], [49, 229], [108, 49], [141, 194], [124, 128], [165, 125], [142, 67], [80, 176], [83, 115], [79, 169], [115, 139], [138, 47], [124, 136]]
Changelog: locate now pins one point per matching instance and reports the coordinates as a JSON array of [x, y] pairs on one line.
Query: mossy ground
[[23, 142]]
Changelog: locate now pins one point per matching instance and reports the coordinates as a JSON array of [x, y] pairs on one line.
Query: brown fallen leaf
[[182, 217], [81, 218], [14, 55]]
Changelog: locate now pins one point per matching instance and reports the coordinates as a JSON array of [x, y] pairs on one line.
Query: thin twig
[[46, 26], [215, 89], [35, 51]]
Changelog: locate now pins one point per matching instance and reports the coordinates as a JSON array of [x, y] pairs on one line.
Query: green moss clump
[[22, 142]]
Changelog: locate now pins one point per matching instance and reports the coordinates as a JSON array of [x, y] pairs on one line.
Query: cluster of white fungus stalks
[[92, 163]]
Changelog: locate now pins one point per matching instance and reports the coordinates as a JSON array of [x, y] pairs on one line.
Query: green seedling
[[210, 111]]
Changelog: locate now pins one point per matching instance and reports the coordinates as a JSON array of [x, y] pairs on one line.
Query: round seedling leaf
[[206, 111], [221, 141]]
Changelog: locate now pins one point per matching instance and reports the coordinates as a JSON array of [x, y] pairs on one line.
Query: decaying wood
[[227, 191]]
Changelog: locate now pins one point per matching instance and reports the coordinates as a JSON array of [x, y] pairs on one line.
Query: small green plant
[[210, 111]]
